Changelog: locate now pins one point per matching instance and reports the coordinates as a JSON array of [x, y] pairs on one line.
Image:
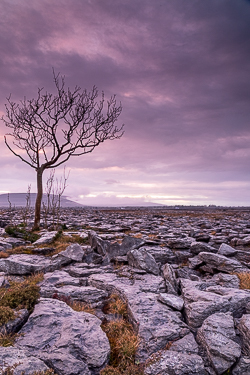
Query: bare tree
[[54, 191], [52, 128]]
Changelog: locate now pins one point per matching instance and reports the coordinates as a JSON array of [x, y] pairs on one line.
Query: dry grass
[[15, 250], [22, 294], [7, 339], [81, 306], [123, 343], [244, 280], [63, 241], [138, 235], [116, 305], [17, 296], [75, 305], [6, 314], [123, 340]]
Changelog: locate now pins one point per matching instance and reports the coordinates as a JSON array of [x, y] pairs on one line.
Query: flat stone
[[46, 238], [59, 278], [25, 364], [221, 263], [24, 264], [176, 363], [87, 294], [185, 345], [170, 300], [202, 300]]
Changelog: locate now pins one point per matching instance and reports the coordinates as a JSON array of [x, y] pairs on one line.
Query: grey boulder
[[202, 300], [216, 262], [198, 247], [87, 294], [70, 342], [140, 258], [161, 254], [226, 250], [242, 367], [185, 345], [244, 328], [46, 238], [170, 279], [155, 323], [217, 336], [73, 252], [14, 325], [26, 264]]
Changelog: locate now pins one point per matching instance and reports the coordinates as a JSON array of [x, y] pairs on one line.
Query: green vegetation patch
[[19, 231]]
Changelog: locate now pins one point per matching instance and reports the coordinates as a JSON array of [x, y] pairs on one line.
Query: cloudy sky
[[182, 72]]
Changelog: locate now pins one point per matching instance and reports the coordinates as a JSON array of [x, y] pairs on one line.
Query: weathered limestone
[[217, 336], [170, 300], [198, 247], [170, 279], [27, 364], [244, 328], [25, 264], [73, 253], [185, 345], [87, 294], [242, 367], [185, 254], [176, 363], [46, 238], [202, 300], [155, 323], [140, 258], [227, 250], [216, 262], [70, 342]]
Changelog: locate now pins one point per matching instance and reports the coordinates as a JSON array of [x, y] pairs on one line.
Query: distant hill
[[19, 200]]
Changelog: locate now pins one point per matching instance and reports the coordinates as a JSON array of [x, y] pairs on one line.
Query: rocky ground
[[185, 277]]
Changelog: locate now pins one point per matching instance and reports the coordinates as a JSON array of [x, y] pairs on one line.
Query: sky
[[181, 70]]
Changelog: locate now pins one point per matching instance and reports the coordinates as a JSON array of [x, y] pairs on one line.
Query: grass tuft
[[115, 305], [6, 314], [7, 339], [123, 340], [244, 280], [75, 305], [21, 295], [81, 306]]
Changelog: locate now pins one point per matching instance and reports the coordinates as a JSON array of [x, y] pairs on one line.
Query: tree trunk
[[38, 199]]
